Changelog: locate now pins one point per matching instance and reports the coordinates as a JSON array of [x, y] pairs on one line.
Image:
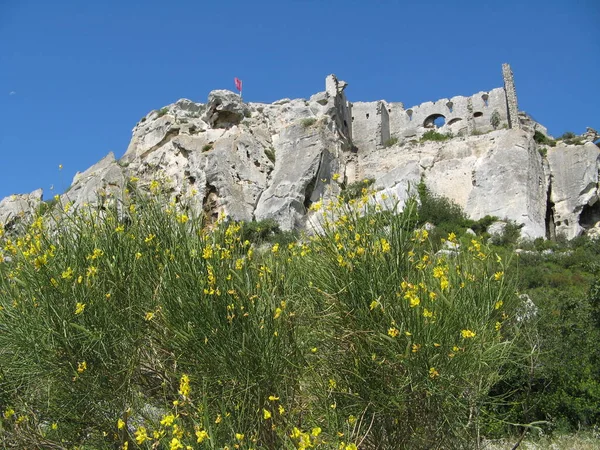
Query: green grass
[[309, 122], [433, 135], [139, 319]]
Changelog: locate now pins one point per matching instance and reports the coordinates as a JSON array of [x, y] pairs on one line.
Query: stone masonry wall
[[511, 97]]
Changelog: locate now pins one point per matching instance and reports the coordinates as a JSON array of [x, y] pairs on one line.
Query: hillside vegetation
[[140, 326]]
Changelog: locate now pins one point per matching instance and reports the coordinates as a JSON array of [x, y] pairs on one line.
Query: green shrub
[[541, 138], [356, 189], [162, 112], [309, 122], [138, 319], [567, 135], [495, 119], [543, 151], [207, 147], [440, 211], [560, 385], [390, 142], [509, 236], [270, 153], [433, 135], [267, 230]]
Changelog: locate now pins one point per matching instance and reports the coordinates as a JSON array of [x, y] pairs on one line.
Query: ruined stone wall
[[511, 97], [462, 115], [370, 125]]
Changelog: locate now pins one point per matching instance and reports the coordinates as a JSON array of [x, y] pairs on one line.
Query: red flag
[[238, 84]]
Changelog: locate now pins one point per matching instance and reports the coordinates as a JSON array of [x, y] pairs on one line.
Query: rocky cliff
[[254, 161]]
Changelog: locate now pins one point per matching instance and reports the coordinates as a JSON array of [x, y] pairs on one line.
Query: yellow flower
[[141, 435], [201, 435], [138, 255], [79, 279], [125, 446], [277, 313], [149, 238], [167, 420], [239, 436], [498, 276], [335, 176], [120, 424], [467, 334], [281, 410], [81, 367], [149, 316], [266, 414], [351, 420], [452, 237], [416, 348], [273, 398], [427, 313], [175, 444], [79, 307], [316, 431], [54, 426], [275, 248], [351, 446], [67, 274], [97, 253], [373, 305], [433, 373], [182, 218], [385, 246], [393, 332], [91, 271], [120, 229], [498, 304], [219, 419], [8, 413], [184, 385], [498, 326]]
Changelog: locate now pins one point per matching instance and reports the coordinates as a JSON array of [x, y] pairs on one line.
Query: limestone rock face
[[104, 180], [255, 161], [499, 173], [16, 208], [574, 171]]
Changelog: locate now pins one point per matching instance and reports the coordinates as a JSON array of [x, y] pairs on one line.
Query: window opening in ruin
[[485, 98], [410, 113], [367, 115], [450, 105], [434, 121], [455, 120], [478, 114]]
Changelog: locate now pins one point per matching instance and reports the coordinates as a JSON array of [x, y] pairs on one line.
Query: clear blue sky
[[76, 76]]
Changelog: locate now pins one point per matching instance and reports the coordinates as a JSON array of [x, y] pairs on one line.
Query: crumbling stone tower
[[511, 97]]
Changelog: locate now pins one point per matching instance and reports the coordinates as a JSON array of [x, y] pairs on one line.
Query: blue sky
[[76, 76]]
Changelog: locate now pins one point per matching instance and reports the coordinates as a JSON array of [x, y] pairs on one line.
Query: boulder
[[225, 109]]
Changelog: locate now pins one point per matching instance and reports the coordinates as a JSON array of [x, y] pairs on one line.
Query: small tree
[[495, 119]]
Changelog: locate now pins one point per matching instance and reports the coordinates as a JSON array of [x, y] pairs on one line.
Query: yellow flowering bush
[[142, 327]]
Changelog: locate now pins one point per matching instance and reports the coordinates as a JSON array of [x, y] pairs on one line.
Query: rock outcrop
[[18, 208], [574, 173], [255, 161]]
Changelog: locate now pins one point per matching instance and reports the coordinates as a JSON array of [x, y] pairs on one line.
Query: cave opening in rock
[[590, 215]]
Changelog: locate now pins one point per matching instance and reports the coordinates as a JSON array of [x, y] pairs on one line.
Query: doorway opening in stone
[[435, 121]]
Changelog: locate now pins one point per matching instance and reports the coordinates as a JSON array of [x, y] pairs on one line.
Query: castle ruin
[[375, 123]]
